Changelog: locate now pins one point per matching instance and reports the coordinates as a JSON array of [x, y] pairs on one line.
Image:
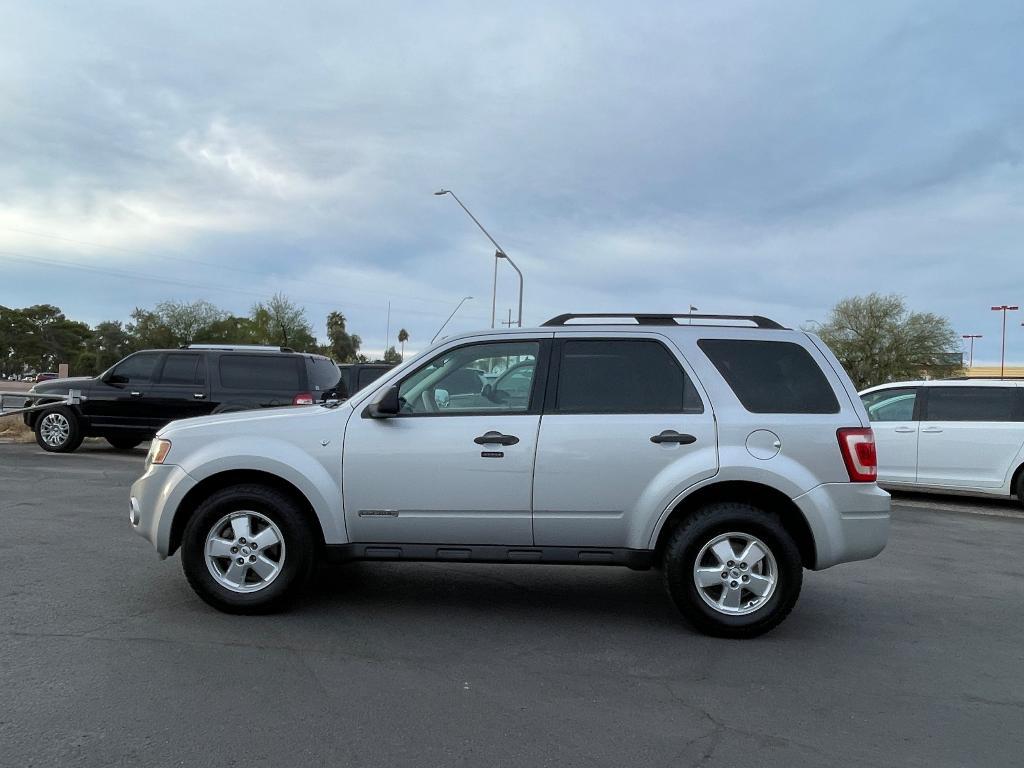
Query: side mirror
[[387, 406]]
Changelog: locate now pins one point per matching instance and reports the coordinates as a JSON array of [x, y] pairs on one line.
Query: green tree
[[344, 346], [403, 336], [391, 355], [110, 341], [877, 339], [188, 320], [282, 322]]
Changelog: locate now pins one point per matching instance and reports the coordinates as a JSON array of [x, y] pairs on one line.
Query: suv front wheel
[[733, 570], [57, 430], [247, 549]]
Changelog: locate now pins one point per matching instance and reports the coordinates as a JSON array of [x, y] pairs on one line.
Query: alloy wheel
[[735, 573], [244, 551], [55, 429]]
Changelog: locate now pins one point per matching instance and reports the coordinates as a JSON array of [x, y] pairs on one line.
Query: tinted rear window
[[368, 375], [771, 376], [973, 404], [259, 372], [323, 374], [612, 376], [183, 369]]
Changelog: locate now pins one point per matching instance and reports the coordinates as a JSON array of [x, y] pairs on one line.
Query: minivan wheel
[[247, 549], [733, 570], [57, 430], [123, 442]]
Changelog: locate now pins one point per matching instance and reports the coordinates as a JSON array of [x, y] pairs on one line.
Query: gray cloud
[[755, 156]]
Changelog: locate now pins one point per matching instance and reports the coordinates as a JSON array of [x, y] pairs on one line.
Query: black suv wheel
[[247, 549], [57, 430], [733, 570]]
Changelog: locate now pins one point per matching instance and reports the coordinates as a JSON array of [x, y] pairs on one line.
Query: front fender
[[314, 469]]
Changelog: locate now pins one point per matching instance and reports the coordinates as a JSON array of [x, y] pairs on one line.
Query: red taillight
[[303, 398], [858, 448]]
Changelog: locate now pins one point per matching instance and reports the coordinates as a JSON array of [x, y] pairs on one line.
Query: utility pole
[[1002, 355], [508, 323], [972, 337]]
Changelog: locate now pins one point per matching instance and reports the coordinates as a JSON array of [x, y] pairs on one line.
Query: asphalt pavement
[[915, 658]]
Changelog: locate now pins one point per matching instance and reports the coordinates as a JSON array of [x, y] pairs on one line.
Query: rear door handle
[[495, 438], [904, 430], [932, 430], [671, 436]]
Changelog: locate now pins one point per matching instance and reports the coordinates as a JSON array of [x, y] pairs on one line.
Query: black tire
[[701, 528], [124, 442], [59, 420], [299, 548]]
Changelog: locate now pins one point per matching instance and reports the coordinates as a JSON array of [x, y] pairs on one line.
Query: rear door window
[[622, 376], [257, 372], [973, 404], [183, 369], [771, 376]]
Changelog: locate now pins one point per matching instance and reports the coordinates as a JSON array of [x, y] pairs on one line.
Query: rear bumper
[[155, 497], [849, 521]]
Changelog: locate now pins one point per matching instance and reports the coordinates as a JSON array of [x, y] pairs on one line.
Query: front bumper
[[849, 521], [155, 497]]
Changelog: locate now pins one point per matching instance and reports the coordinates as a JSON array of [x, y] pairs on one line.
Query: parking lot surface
[[107, 658]]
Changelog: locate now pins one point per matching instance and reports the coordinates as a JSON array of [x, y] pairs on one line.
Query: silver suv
[[727, 450]]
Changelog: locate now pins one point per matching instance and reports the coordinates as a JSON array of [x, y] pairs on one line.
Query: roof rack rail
[[646, 318], [240, 347]]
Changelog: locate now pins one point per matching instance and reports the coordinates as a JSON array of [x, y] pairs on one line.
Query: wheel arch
[[748, 492], [1015, 479], [230, 477]]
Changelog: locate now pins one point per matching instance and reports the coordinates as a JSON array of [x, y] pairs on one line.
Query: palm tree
[[403, 336]]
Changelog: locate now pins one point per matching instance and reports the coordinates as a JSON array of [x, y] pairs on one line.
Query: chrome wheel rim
[[735, 573], [244, 551], [54, 429]]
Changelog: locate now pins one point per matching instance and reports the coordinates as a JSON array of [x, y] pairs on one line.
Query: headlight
[[158, 451]]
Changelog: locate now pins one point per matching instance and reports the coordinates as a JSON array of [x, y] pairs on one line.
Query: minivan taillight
[[858, 448], [303, 398]]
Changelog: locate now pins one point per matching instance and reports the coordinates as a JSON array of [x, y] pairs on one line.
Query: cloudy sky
[[766, 157]]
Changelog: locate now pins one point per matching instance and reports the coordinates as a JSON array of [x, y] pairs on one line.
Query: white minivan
[[963, 436]]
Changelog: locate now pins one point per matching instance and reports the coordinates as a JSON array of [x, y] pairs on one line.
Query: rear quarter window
[[261, 372], [323, 374], [771, 376]]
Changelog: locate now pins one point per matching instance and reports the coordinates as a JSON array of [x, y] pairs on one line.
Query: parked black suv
[[355, 376], [132, 400]]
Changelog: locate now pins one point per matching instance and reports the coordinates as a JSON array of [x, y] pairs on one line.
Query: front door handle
[[671, 436], [495, 438], [135, 394], [904, 430], [932, 430], [198, 395]]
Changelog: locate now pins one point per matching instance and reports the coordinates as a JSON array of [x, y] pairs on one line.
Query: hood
[[61, 386], [257, 421]]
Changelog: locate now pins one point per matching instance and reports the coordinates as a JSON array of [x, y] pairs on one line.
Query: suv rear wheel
[[733, 570], [57, 430], [247, 549]]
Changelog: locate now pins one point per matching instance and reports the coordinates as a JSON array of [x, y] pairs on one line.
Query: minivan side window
[[896, 404], [771, 376], [973, 404], [274, 372], [138, 368], [622, 376], [183, 369]]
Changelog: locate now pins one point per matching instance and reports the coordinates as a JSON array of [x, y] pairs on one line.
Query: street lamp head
[[442, 192]]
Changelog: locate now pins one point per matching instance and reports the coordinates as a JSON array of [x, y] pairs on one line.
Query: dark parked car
[[45, 376], [132, 400], [355, 376]]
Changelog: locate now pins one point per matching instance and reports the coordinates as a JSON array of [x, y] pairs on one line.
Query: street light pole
[[972, 337], [1002, 355], [457, 307], [500, 254]]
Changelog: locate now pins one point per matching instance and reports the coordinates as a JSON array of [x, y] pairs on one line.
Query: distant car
[[45, 376], [355, 376], [132, 400], [961, 436]]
